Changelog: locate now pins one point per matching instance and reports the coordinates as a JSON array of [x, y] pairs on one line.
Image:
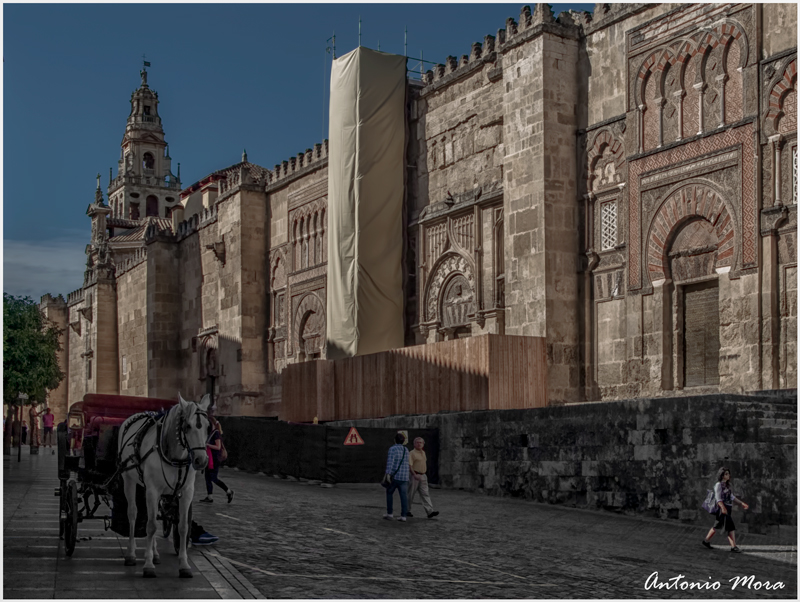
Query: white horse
[[164, 453]]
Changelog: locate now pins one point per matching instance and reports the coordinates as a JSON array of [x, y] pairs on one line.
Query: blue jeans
[[402, 487]]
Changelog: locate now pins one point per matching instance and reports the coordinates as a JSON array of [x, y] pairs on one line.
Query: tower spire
[[98, 194], [143, 72], [244, 156]]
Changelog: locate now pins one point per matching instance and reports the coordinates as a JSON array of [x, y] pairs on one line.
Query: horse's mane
[[169, 432]]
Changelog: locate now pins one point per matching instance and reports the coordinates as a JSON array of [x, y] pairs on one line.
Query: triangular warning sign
[[353, 438]]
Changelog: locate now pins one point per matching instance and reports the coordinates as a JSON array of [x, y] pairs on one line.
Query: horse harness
[[137, 459]]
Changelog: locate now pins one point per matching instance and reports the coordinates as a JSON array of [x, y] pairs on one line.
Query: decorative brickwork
[[788, 122], [780, 91], [689, 202], [734, 109], [691, 121], [742, 137], [309, 235], [691, 78], [652, 113], [605, 160]]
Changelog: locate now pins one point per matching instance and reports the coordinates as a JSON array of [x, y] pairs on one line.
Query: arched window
[[152, 206], [148, 161]]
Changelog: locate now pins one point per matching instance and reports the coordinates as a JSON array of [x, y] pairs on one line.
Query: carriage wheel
[[176, 532], [62, 496], [166, 526], [71, 521]]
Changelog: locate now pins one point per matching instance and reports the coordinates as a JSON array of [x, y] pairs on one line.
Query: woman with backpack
[[215, 458], [724, 499]]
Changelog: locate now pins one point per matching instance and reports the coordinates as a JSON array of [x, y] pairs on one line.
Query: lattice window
[[608, 225], [794, 175]]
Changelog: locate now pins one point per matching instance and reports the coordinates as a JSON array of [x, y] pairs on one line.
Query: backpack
[[710, 504]]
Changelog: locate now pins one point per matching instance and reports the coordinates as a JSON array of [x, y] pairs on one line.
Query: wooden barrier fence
[[487, 372]]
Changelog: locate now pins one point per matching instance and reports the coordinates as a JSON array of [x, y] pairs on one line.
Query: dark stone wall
[[651, 457]]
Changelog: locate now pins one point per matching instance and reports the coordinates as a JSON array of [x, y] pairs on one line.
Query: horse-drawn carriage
[[115, 451]]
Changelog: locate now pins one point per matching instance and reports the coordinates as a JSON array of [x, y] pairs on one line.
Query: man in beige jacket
[[418, 462]]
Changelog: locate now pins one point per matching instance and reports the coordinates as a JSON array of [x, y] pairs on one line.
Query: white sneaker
[[402, 518], [388, 516]]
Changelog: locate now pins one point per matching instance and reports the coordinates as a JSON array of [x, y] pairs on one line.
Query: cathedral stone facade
[[622, 184]]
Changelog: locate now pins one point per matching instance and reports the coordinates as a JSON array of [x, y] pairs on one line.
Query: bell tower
[[145, 185]]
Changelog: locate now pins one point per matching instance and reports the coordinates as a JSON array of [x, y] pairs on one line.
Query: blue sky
[[229, 77]]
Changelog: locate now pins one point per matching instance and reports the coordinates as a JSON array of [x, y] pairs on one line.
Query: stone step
[[771, 432], [778, 422]]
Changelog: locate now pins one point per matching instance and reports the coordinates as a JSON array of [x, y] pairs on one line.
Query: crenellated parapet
[[48, 300], [245, 175], [302, 164], [530, 23], [606, 14], [480, 53], [136, 258], [75, 297], [200, 220]]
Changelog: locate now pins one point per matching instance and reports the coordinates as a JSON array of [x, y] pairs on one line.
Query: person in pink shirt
[[47, 421]]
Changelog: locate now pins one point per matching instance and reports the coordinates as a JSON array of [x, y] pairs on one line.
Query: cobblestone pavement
[[298, 540], [35, 565], [288, 539]]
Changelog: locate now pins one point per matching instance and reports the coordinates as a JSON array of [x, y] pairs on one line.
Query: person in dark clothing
[[200, 537], [214, 447], [24, 432], [725, 500]]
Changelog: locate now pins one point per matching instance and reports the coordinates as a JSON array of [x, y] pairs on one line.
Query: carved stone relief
[[458, 302], [609, 285], [693, 254], [450, 265]]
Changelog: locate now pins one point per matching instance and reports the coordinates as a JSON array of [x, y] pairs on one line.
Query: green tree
[[30, 343]]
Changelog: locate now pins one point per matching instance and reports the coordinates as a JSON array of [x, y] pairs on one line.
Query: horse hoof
[[149, 573], [130, 561], [156, 560], [185, 573]]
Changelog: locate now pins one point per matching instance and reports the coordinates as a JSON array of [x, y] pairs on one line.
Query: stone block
[[646, 452], [486, 468], [549, 468]]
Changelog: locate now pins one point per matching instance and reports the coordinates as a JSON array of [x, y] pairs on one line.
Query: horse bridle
[[182, 440]]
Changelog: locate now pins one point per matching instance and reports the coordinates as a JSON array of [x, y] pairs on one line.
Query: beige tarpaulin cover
[[365, 203]]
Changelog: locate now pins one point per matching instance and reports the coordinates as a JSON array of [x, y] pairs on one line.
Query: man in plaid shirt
[[397, 467]]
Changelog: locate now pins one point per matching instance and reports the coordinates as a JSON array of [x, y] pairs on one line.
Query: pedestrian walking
[[418, 464], [47, 422], [35, 431], [723, 495], [24, 432], [214, 447], [397, 469]]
